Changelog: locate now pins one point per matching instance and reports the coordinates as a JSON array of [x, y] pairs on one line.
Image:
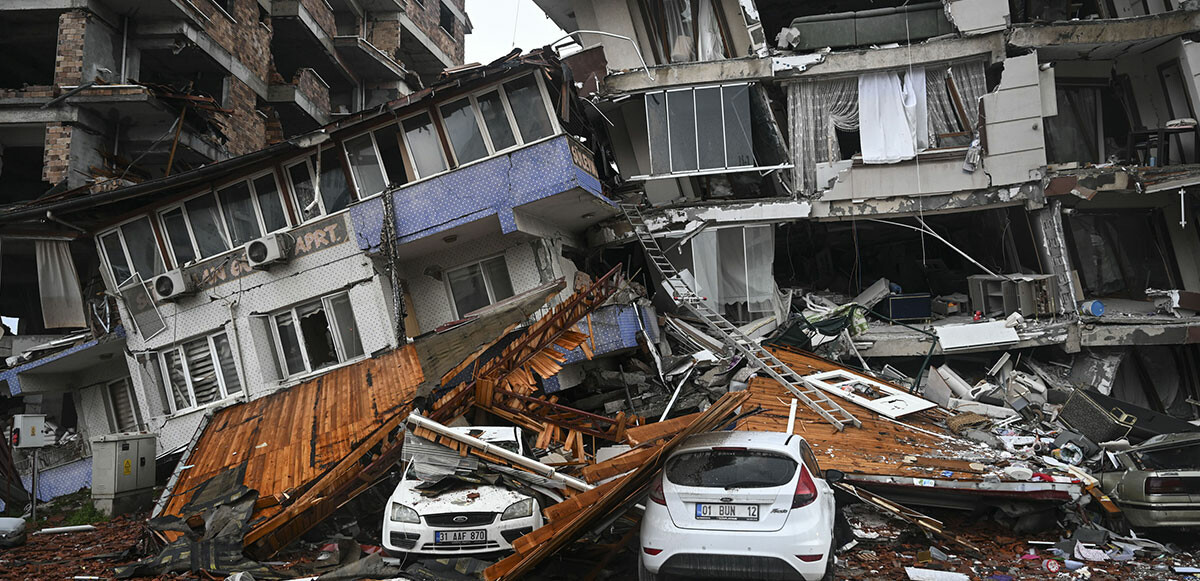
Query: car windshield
[[730, 469], [1182, 458]]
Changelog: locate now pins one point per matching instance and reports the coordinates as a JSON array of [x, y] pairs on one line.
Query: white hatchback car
[[747, 505], [471, 520]]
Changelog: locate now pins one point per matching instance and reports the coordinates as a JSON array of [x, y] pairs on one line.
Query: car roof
[[773, 440], [1163, 441]]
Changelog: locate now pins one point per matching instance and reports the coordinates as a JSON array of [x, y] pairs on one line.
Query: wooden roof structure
[[301, 443]]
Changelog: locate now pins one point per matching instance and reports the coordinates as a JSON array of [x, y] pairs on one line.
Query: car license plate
[[707, 511], [460, 537]]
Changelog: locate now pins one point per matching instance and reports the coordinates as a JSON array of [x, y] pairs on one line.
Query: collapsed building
[[978, 205]]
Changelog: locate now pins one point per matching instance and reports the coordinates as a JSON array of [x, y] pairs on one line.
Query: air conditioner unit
[[172, 285], [269, 250]]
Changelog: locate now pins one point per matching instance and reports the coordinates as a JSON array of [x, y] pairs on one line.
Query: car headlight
[[401, 513], [518, 509]]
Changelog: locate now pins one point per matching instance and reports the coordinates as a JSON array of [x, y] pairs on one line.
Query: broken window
[[462, 128], [198, 372], [683, 124], [423, 144], [209, 224], [124, 414], [529, 107], [732, 269], [1121, 254], [335, 191], [446, 18], [365, 166], [315, 335], [686, 30], [1091, 125], [478, 285], [131, 248]]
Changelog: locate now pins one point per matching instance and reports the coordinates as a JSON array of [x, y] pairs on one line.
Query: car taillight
[[651, 552], [810, 558], [656, 491], [1167, 485], [806, 489]]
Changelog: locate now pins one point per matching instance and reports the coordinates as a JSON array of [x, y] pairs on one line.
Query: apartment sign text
[[308, 238]]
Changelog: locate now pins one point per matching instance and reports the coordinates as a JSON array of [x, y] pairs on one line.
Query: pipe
[[74, 529], [50, 216], [570, 35], [417, 420], [675, 395], [124, 45]]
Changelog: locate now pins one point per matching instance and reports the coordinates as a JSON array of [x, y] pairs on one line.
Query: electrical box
[[123, 472], [29, 431]]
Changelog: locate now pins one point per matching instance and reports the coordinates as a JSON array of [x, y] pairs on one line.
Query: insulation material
[[58, 284]]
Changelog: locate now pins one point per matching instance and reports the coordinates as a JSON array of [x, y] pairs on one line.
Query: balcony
[[303, 104], [304, 37], [552, 181]]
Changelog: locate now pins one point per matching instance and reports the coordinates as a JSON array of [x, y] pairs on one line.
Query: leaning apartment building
[[231, 198]]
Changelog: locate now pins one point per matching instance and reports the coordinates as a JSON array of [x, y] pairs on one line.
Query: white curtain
[[704, 265], [58, 284], [816, 110], [916, 107], [679, 30], [760, 279], [711, 46], [884, 130], [942, 117]]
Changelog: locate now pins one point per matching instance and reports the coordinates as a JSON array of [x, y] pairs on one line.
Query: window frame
[[695, 119], [487, 283], [181, 205], [258, 214], [339, 148], [113, 420], [442, 10], [164, 376], [387, 179], [331, 320], [119, 230], [434, 113]]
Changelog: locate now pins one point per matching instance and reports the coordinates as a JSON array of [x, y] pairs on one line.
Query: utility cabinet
[[29, 431], [123, 472]]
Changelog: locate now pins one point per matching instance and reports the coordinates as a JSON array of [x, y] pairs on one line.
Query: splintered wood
[[569, 520], [506, 386]]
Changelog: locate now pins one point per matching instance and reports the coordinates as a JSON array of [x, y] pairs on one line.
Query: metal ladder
[[764, 360]]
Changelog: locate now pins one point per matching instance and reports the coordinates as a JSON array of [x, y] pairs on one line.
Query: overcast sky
[[498, 22]]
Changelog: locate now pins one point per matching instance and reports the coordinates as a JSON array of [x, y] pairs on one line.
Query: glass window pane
[[318, 339], [496, 120], [205, 386], [656, 126], [335, 192], [347, 327], [205, 220], [177, 380], [388, 142], [240, 218], [365, 165], [730, 469], [496, 271], [291, 360], [116, 257], [711, 144], [143, 248], [302, 185], [463, 129], [177, 236], [468, 290], [233, 384], [269, 203], [123, 406], [424, 145], [528, 108], [739, 138], [681, 113]]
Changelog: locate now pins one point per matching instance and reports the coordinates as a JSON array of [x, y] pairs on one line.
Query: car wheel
[[643, 573]]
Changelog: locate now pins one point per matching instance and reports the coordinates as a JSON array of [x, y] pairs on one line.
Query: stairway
[[764, 360]]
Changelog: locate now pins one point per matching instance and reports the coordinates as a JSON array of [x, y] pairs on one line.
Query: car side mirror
[[834, 476]]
